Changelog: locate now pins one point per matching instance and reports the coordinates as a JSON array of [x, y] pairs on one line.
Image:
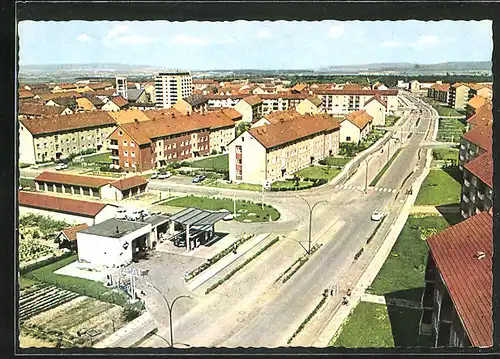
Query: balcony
[[466, 183], [113, 147], [465, 199], [480, 195]]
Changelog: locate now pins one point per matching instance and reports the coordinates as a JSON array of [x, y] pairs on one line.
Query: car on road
[[144, 213], [164, 175], [154, 175], [61, 166], [377, 215], [133, 215], [198, 179]]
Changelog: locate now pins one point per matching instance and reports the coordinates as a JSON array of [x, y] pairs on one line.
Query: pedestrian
[[331, 292], [349, 292], [234, 248], [344, 300]]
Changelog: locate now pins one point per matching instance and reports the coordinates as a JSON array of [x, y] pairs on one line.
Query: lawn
[[216, 162], [445, 154], [27, 183], [391, 120], [450, 130], [290, 185], [246, 210], [98, 157], [241, 186], [335, 161], [440, 187], [402, 274], [444, 110], [82, 286], [318, 172], [379, 326]]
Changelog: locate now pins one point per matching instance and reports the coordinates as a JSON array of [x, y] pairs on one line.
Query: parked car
[[133, 215], [154, 175], [61, 166], [144, 213], [377, 215], [164, 175], [157, 213], [198, 179], [121, 213]]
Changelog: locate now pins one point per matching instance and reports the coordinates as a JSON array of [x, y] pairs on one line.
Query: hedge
[[238, 268], [315, 183], [190, 275], [309, 317], [45, 262]]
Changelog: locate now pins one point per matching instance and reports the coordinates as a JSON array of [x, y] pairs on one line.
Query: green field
[[444, 110], [335, 161], [318, 172], [402, 274], [450, 130], [243, 208], [379, 326], [98, 157], [216, 162], [391, 120], [291, 184], [441, 187], [240, 186], [445, 154]]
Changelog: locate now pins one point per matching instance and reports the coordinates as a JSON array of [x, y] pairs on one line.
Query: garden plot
[[41, 299], [81, 322]]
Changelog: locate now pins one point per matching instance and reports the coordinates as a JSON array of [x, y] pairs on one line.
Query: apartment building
[[458, 97], [115, 103], [142, 145], [457, 299], [250, 107], [474, 104], [477, 188], [224, 101], [482, 116], [474, 143], [281, 102], [171, 87], [355, 126], [192, 104], [282, 147], [376, 108], [341, 101], [439, 92], [483, 90], [121, 86], [31, 110], [414, 86], [52, 137], [312, 105]]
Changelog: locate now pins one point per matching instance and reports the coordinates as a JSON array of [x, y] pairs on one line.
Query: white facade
[[26, 146], [121, 86], [110, 106], [172, 87], [246, 111], [108, 251], [351, 133], [223, 102], [253, 160], [376, 110]]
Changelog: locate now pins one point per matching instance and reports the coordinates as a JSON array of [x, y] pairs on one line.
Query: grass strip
[[143, 339], [309, 317], [385, 168], [302, 261], [238, 268]]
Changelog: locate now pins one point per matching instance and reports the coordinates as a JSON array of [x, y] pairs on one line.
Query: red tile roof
[[284, 96], [100, 85], [299, 87], [119, 101], [480, 136], [61, 123], [377, 98], [129, 182], [468, 280], [60, 204], [70, 233], [359, 118], [253, 100], [290, 126], [37, 109], [69, 179], [482, 168], [235, 96], [476, 102], [23, 94], [482, 116], [66, 86], [232, 113], [321, 91], [443, 87], [353, 87]]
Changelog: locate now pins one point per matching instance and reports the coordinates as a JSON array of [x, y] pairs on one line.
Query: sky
[[194, 45]]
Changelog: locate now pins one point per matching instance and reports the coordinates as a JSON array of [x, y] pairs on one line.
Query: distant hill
[[412, 67]]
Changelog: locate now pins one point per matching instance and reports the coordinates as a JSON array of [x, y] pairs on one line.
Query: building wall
[[246, 111], [253, 160], [72, 219], [377, 111], [183, 107], [468, 151], [110, 106], [349, 132], [47, 145], [223, 103], [220, 138], [171, 88], [26, 146], [99, 250], [307, 107], [343, 104], [476, 196], [459, 97], [106, 213]]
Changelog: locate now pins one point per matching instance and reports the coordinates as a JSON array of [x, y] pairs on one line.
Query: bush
[[214, 152], [132, 311], [185, 164], [23, 165], [106, 168]]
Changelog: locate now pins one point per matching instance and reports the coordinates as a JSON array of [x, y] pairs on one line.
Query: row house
[[474, 143], [482, 90], [439, 92], [458, 96], [477, 187], [143, 145], [340, 101], [457, 298], [53, 137], [250, 107], [91, 186], [312, 105], [192, 104], [282, 146], [281, 102], [482, 116], [31, 110], [224, 101], [475, 104], [355, 127]]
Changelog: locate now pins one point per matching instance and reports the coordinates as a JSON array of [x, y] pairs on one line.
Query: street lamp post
[[170, 308], [367, 161], [311, 209]]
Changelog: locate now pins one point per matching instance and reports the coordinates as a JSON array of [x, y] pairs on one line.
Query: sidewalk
[[379, 299], [133, 332], [224, 262]]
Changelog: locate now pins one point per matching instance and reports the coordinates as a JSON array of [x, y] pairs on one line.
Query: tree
[[242, 127]]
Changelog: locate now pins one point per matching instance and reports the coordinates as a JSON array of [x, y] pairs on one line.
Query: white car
[[377, 215], [61, 166], [228, 217], [154, 175], [133, 215], [144, 213], [121, 213], [164, 175]]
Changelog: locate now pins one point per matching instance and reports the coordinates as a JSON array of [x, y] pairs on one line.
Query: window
[[348, 138], [133, 164], [56, 138], [169, 146], [132, 144], [67, 140], [174, 145], [132, 154], [175, 155], [124, 142], [182, 153], [45, 144], [120, 133], [125, 163], [125, 153], [37, 145], [74, 139]]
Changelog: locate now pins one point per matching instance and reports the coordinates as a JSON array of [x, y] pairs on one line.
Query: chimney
[[479, 255], [136, 120], [117, 230]]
